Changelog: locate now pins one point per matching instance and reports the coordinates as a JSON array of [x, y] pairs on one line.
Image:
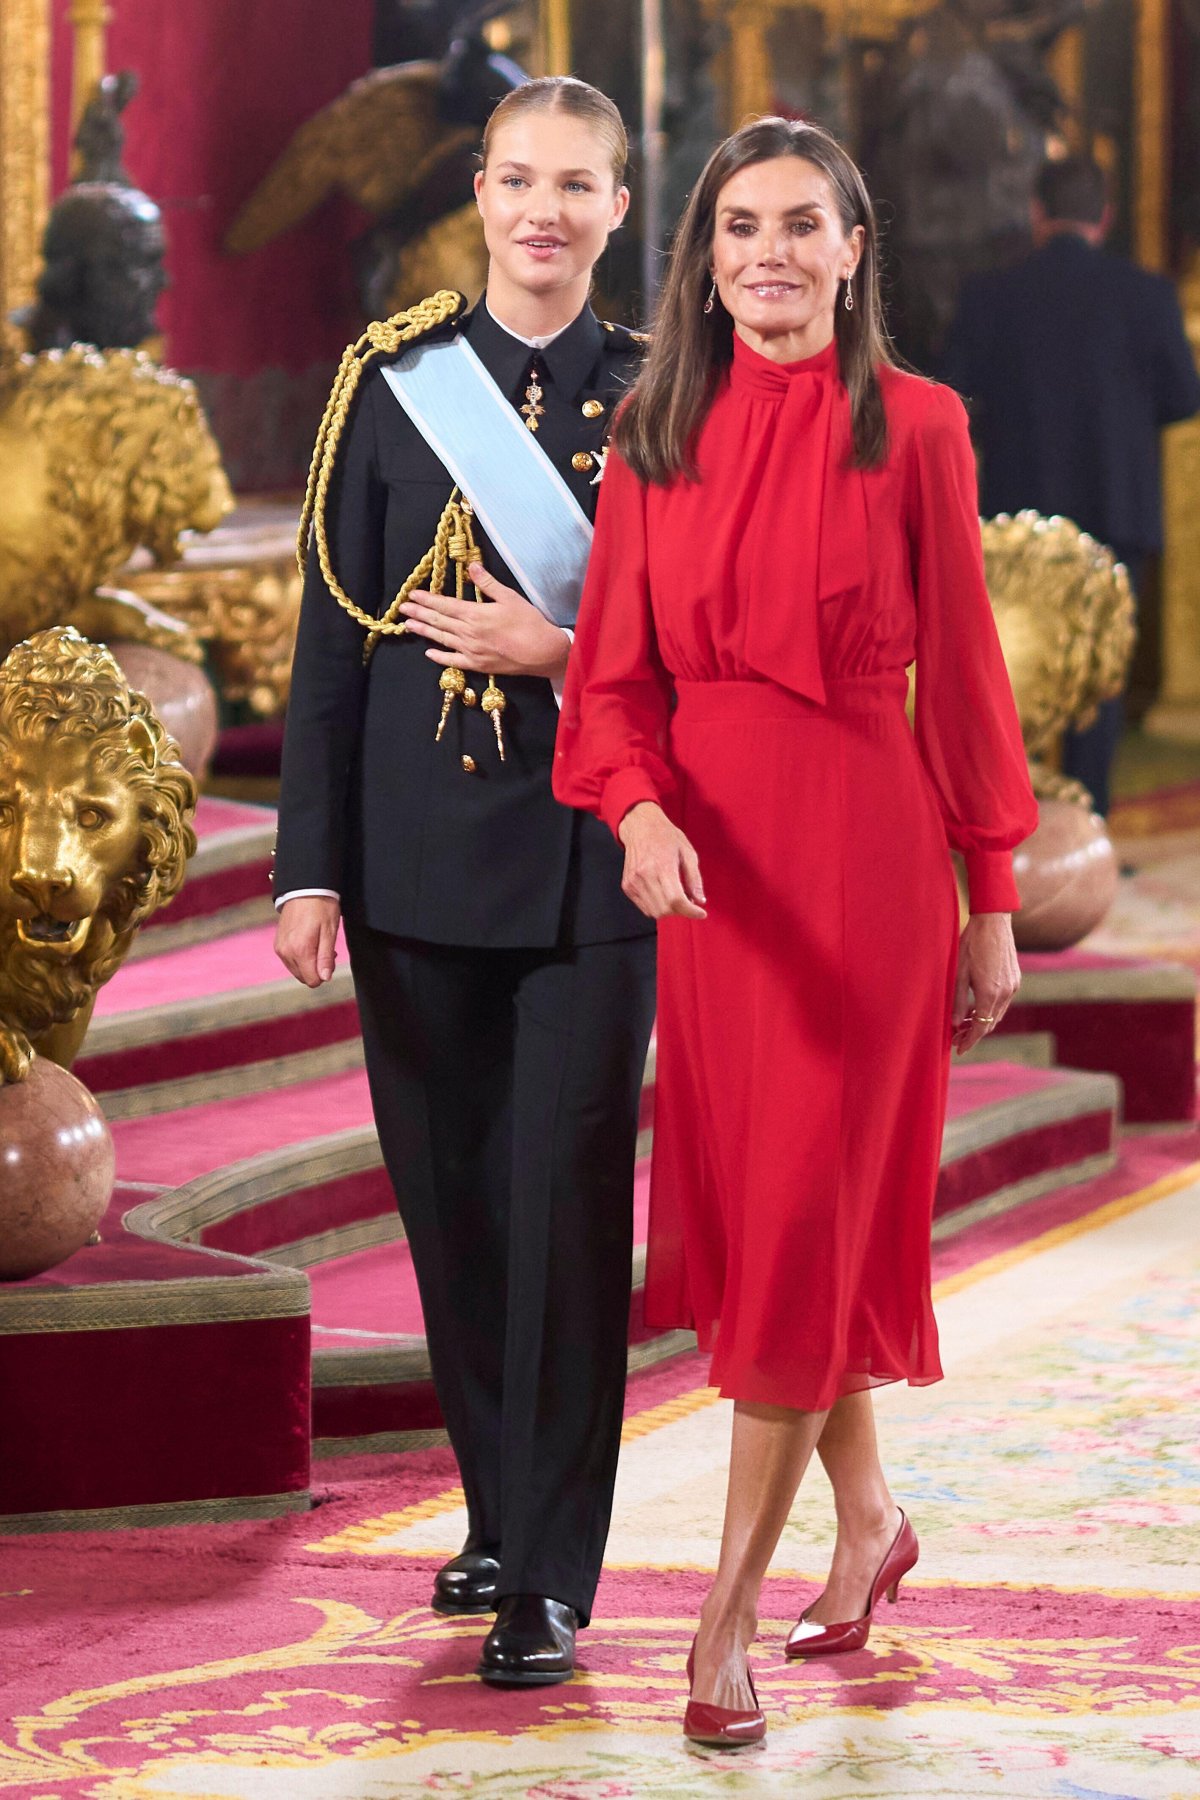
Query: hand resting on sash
[[509, 636]]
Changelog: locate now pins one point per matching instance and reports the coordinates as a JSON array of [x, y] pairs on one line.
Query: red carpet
[[295, 1658]]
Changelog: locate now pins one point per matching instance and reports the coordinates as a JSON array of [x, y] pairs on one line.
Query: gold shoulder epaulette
[[622, 333], [383, 337]]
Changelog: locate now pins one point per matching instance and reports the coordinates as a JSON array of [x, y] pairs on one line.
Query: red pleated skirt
[[803, 1044]]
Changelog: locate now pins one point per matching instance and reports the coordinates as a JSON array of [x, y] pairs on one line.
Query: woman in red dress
[[787, 523]]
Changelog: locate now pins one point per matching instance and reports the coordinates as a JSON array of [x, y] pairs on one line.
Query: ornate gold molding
[[24, 148], [750, 81], [1151, 125], [554, 31], [1176, 714], [90, 20], [1066, 62]]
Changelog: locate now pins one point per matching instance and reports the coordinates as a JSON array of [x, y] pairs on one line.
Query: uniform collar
[[568, 359]]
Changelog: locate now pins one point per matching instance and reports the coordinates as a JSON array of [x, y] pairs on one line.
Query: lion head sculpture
[[101, 452], [1064, 611], [95, 831]]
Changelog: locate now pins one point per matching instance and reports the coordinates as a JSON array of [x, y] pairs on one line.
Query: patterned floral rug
[[1047, 1648], [1157, 908]]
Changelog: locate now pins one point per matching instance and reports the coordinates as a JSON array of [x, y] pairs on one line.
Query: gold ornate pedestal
[[1177, 711], [238, 589], [24, 150]]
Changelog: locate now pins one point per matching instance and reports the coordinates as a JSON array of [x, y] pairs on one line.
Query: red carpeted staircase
[[252, 1298]]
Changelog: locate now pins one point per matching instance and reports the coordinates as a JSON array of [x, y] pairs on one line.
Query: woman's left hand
[[507, 637], [988, 977]]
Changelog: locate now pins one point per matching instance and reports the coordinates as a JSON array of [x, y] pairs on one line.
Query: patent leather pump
[[721, 1727], [810, 1639]]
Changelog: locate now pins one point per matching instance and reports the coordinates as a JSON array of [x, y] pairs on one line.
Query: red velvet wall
[[224, 85]]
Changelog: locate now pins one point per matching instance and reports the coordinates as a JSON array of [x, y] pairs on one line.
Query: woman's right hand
[[306, 937], [662, 872]]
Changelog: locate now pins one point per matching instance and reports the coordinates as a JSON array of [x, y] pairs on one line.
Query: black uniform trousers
[[505, 1084]]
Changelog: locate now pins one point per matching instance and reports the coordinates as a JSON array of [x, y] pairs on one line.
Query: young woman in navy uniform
[[505, 983]]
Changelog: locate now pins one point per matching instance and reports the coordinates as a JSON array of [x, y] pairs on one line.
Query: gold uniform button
[[582, 460], [591, 409], [468, 763]]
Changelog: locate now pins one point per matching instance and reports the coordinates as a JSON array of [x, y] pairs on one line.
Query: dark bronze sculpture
[[964, 106], [402, 143], [104, 246]]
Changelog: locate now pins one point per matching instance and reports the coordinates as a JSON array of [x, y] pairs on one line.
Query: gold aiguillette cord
[[460, 548]]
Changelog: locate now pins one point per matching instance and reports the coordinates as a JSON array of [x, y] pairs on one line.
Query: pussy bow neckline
[[754, 373], [810, 529]]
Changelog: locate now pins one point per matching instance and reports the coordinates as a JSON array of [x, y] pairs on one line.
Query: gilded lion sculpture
[[101, 453], [95, 833], [1065, 614]]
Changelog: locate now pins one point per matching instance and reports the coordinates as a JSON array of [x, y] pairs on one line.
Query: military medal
[[533, 409]]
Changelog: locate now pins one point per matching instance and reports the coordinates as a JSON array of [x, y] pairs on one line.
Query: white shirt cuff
[[304, 894], [557, 683]]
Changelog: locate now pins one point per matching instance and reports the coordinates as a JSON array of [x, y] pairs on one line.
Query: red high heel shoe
[[721, 1727], [808, 1639]]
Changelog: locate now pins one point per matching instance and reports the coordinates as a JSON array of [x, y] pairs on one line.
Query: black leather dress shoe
[[532, 1643], [466, 1584]]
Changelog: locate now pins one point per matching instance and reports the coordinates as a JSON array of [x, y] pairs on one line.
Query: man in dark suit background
[[1072, 361]]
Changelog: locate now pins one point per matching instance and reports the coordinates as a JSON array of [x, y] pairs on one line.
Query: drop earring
[[849, 300], [712, 294]]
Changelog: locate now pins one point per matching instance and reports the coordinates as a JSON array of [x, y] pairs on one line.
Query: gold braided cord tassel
[[432, 566], [382, 338]]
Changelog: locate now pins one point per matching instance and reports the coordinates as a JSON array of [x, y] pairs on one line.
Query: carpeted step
[[228, 881], [257, 1187], [325, 1205], [1134, 1017], [148, 1381], [214, 1019]]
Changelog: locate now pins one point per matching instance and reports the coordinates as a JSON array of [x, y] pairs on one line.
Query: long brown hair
[[579, 100], [690, 349]]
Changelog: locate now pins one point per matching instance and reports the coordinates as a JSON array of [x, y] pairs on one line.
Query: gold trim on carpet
[[226, 1084], [378, 1442], [161, 939], [1077, 1096], [1148, 981], [229, 849], [340, 1240], [1017, 1192], [219, 1011], [1063, 1234], [162, 1512], [405, 1359], [1031, 1049], [240, 1186], [136, 1305]]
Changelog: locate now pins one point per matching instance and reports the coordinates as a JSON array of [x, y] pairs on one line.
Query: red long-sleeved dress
[[740, 657]]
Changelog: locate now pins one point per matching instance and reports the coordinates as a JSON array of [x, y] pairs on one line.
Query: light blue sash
[[521, 500]]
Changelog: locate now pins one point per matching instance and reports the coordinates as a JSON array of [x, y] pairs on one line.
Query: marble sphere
[[182, 696], [1067, 877], [57, 1167]]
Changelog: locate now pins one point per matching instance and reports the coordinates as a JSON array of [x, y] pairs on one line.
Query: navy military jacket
[[370, 806], [1073, 360]]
